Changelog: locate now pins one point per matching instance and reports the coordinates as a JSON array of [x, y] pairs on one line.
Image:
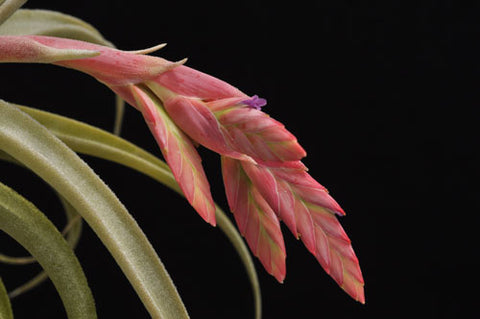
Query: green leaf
[[51, 23], [5, 307], [8, 7], [35, 147], [26, 224], [92, 141], [74, 226], [72, 230]]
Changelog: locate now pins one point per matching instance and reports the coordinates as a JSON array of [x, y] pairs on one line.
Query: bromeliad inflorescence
[[264, 177]]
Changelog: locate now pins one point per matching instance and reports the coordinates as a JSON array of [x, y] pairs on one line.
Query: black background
[[382, 95]]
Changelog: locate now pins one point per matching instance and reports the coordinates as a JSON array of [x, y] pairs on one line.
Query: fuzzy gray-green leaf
[[26, 224], [34, 146], [51, 23], [8, 7], [5, 307], [72, 231]]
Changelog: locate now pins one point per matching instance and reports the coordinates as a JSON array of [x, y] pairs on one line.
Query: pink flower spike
[[276, 193], [256, 134], [221, 104], [264, 177], [179, 153], [197, 121], [308, 211], [255, 219]]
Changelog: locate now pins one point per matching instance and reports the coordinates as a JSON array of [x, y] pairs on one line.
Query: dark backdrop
[[384, 98]]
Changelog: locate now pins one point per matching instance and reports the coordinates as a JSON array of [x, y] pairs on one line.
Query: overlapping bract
[[255, 218], [179, 153], [265, 180]]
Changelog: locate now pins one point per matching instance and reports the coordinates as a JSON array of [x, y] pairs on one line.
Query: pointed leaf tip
[[149, 50], [335, 253]]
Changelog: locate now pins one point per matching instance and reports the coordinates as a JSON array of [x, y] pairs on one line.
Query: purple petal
[[255, 102]]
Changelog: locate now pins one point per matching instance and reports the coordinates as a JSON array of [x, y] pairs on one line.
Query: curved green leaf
[[5, 307], [72, 230], [89, 140], [8, 7], [34, 146], [51, 23], [74, 226], [26, 224]]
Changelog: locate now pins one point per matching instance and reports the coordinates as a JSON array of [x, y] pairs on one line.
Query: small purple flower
[[255, 102]]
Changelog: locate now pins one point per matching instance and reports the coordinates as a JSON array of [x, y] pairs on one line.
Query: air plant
[[265, 180]]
